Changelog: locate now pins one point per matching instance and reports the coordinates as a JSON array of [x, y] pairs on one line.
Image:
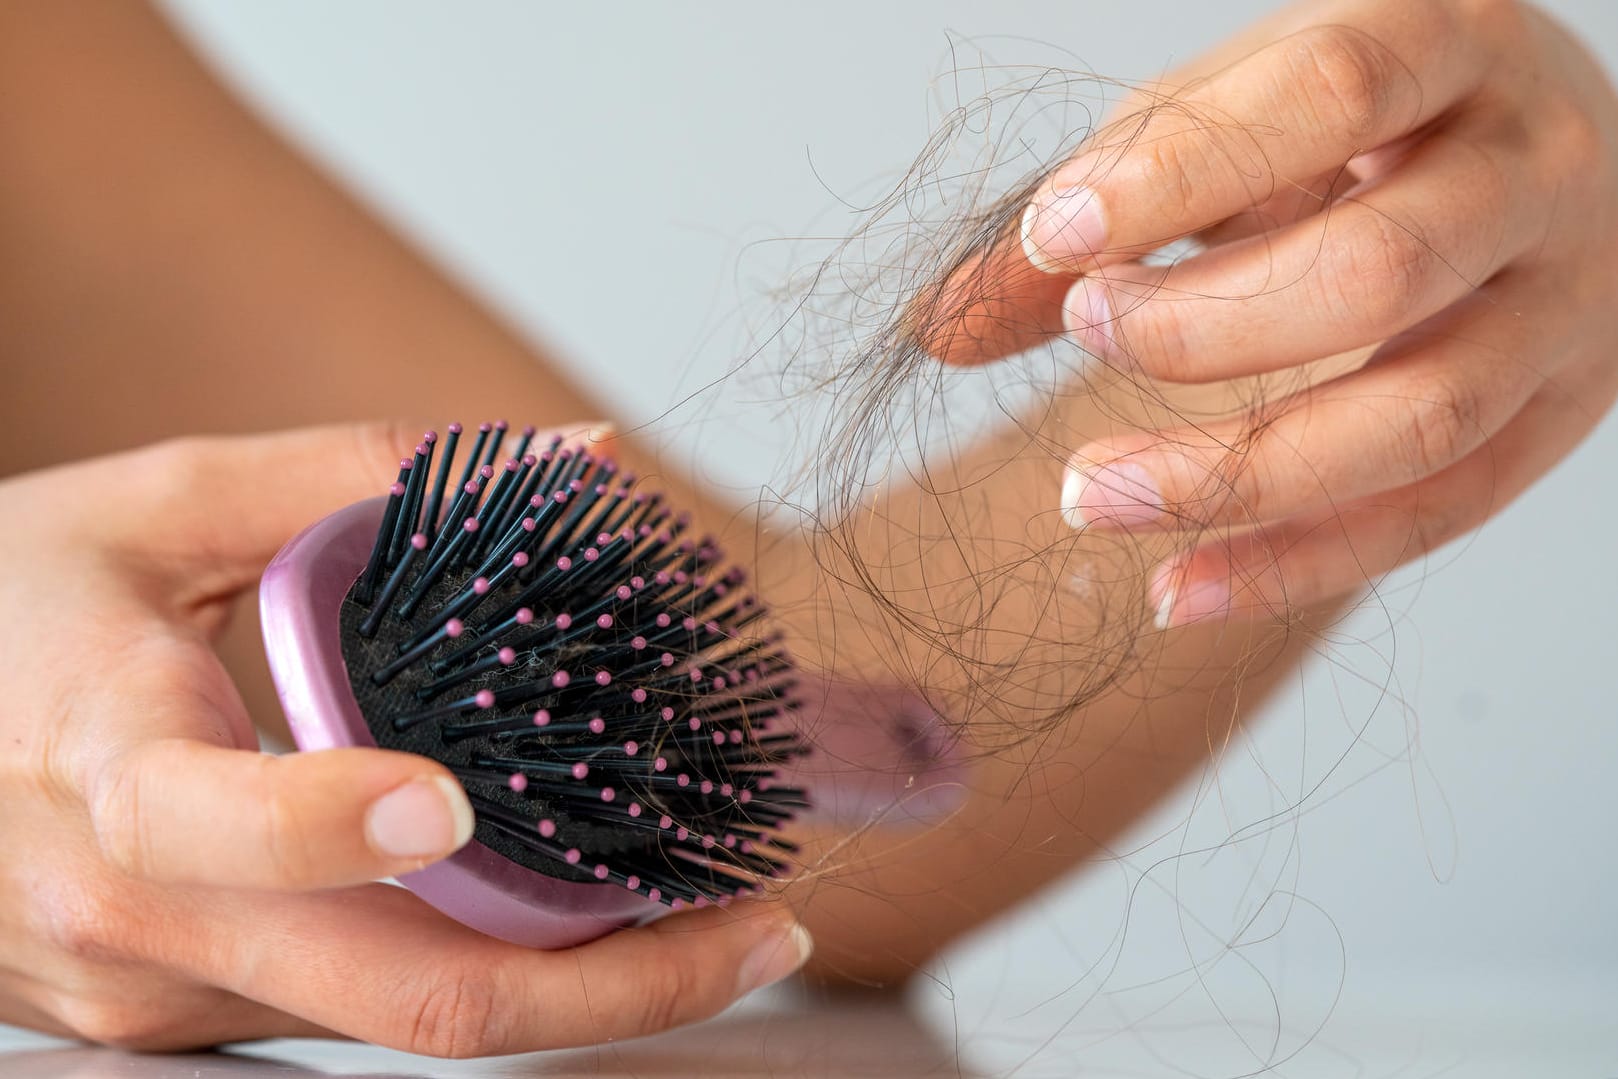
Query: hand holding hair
[[1434, 184], [156, 856]]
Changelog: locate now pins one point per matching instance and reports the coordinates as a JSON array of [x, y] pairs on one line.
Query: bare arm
[[169, 265]]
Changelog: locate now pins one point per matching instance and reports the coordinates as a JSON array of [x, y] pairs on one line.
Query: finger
[[378, 964], [1365, 75], [1425, 401], [177, 810], [1461, 207], [992, 304], [217, 510], [1284, 567], [1345, 78], [1291, 202]]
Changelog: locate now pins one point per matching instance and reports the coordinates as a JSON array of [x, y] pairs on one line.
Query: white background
[[605, 174]]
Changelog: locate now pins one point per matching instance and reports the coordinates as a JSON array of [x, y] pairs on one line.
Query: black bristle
[[435, 502], [405, 526], [588, 671]]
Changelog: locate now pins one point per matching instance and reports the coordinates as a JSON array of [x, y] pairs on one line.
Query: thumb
[[175, 810], [218, 509]]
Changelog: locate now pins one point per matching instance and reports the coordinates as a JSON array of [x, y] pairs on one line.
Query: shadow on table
[[854, 1037]]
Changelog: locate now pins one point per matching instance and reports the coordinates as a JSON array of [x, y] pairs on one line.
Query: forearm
[[169, 265], [1038, 642]]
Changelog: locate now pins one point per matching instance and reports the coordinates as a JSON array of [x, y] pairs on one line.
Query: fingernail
[[774, 959], [1061, 227], [1183, 602], [426, 818], [1087, 316], [1119, 494]]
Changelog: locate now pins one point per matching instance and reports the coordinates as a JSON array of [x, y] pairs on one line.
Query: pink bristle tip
[[542, 718], [518, 782], [454, 627], [573, 855], [580, 770], [507, 656], [560, 679], [484, 698], [547, 828], [419, 541]]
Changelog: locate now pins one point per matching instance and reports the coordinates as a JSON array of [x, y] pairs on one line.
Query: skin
[[125, 919], [1434, 184]]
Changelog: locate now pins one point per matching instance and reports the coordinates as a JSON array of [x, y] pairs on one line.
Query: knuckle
[[287, 835], [1171, 168], [1351, 79], [1377, 273], [666, 994], [455, 1016], [1582, 149], [378, 445], [85, 918], [175, 470], [118, 817], [118, 1023], [1504, 21], [1443, 420]]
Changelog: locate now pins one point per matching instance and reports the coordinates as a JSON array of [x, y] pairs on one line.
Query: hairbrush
[[600, 681]]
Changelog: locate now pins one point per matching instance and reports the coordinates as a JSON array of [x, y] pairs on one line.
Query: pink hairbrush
[[599, 683]]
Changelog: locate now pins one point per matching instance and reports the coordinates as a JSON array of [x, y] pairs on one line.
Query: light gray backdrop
[[1446, 890]]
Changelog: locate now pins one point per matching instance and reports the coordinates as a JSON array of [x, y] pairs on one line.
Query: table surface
[[780, 1035]]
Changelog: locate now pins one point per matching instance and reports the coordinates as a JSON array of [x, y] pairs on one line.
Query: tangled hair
[[928, 494], [929, 490]]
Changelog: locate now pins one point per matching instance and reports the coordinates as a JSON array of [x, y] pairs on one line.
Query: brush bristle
[[598, 681]]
